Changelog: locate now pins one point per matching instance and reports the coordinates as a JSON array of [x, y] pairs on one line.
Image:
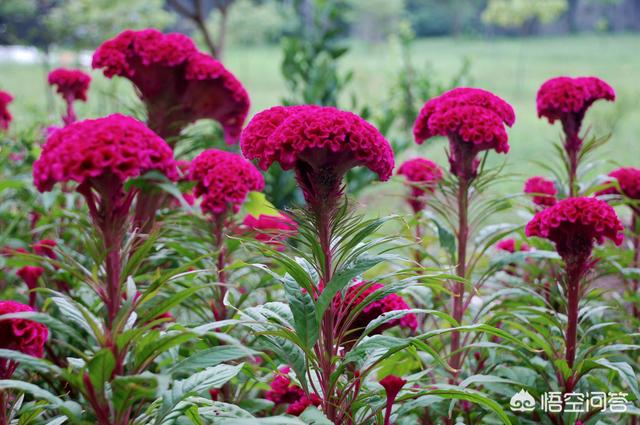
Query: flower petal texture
[[22, 335], [71, 84], [543, 190], [628, 179], [423, 176], [563, 96], [5, 115]]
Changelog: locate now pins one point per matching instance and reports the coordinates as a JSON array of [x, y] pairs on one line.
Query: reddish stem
[[4, 408], [220, 311], [635, 284], [70, 116]]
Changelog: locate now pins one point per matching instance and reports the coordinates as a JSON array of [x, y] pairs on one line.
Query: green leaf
[[130, 390], [625, 372], [313, 416], [304, 313], [69, 408], [257, 205], [210, 357], [447, 240], [100, 368], [35, 363]]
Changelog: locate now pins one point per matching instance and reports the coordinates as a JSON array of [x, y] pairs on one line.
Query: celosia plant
[[72, 85], [543, 191], [177, 83], [5, 115], [283, 392], [30, 275], [422, 176], [271, 229], [510, 245]]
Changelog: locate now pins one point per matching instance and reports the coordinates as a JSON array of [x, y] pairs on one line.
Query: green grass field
[[512, 68]]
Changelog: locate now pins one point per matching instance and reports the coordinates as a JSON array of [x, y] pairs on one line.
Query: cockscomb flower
[[223, 180], [271, 229], [45, 248], [284, 392], [392, 385], [473, 119], [423, 176], [320, 143], [511, 246], [72, 85], [177, 83], [628, 183], [5, 115], [355, 295], [543, 190], [30, 275], [113, 148], [575, 224], [568, 99], [21, 335]]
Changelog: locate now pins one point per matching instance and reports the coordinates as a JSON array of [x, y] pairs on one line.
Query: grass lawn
[[512, 68]]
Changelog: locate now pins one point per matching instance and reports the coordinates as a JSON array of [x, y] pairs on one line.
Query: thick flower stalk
[[392, 385], [474, 121], [543, 191], [100, 156], [5, 115], [72, 85], [223, 181], [177, 83], [575, 225], [321, 144], [567, 99], [625, 182]]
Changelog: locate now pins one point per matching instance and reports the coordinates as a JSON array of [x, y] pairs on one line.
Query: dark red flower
[[21, 335], [423, 176], [284, 392], [271, 229], [575, 224], [177, 83], [472, 119], [392, 385], [5, 115], [224, 180], [45, 248], [510, 245], [71, 84], [628, 179], [30, 276], [114, 146], [321, 143], [543, 190]]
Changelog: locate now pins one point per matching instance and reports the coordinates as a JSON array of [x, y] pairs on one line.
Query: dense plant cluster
[[148, 281]]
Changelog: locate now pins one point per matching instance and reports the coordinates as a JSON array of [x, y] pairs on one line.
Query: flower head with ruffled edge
[[543, 191], [423, 176], [628, 183], [71, 84], [5, 115]]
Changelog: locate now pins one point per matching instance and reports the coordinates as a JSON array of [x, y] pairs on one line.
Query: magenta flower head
[[224, 180], [628, 179], [284, 392], [575, 224], [392, 385], [71, 84], [423, 176], [472, 119], [5, 115], [30, 275], [320, 143], [511, 246], [21, 335], [45, 248], [543, 191], [177, 83], [567, 99], [271, 229]]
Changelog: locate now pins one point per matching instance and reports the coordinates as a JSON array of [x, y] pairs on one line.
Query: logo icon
[[522, 402]]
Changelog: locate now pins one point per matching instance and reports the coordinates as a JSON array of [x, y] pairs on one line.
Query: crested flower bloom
[[473, 119], [628, 183], [568, 99], [511, 246], [320, 143], [223, 180], [575, 224], [30, 276], [543, 191], [72, 85], [284, 392], [177, 83], [356, 295], [271, 229], [45, 248], [392, 385], [423, 176], [21, 335], [5, 115]]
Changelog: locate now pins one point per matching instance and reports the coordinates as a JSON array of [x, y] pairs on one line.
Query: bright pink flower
[[177, 83], [271, 229], [283, 392], [71, 84], [423, 176], [87, 151], [30, 276], [543, 190], [510, 245], [472, 119], [628, 179], [392, 385], [21, 335], [575, 224], [224, 180], [5, 115], [321, 143], [45, 248]]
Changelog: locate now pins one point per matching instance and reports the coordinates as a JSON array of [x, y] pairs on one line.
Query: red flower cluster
[[283, 392], [357, 293], [423, 175], [5, 115], [178, 84], [510, 245], [115, 145], [543, 190], [392, 385], [271, 229], [574, 224], [223, 180], [21, 335], [628, 179], [45, 248], [472, 119], [564, 97], [318, 137], [72, 84]]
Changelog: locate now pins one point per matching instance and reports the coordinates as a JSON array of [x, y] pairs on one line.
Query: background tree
[[523, 14]]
